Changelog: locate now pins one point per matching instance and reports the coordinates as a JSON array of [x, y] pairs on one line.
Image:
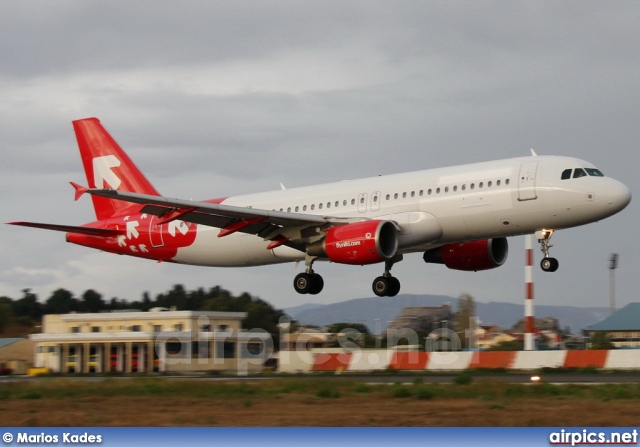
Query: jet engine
[[470, 256], [358, 243]]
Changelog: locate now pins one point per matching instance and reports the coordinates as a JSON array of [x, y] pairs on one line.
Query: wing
[[70, 229], [276, 226]]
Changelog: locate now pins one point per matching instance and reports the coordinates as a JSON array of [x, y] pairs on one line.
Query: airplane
[[459, 216]]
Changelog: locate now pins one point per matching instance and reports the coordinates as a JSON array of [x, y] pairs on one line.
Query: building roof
[[110, 316], [626, 319], [7, 341]]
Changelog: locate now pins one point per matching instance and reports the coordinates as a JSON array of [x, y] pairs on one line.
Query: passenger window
[[388, 196], [304, 208], [455, 188], [480, 185], [353, 201], [297, 208], [498, 183], [579, 172], [395, 196], [446, 189], [337, 204], [489, 184], [320, 206], [404, 195], [421, 192], [429, 192], [413, 193], [464, 187], [437, 190], [566, 174], [506, 182]]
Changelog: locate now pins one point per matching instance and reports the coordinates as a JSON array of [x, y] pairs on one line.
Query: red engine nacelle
[[471, 256], [358, 243]]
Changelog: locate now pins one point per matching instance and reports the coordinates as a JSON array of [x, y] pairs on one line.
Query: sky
[[217, 98]]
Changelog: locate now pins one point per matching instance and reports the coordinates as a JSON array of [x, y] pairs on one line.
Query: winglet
[[533, 153], [79, 190]]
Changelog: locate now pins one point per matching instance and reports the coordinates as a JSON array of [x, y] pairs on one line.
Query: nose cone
[[618, 195]]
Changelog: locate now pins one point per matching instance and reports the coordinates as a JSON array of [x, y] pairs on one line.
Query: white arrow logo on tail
[[102, 172], [132, 231], [177, 225]]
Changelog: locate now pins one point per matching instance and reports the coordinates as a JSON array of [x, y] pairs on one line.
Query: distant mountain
[[296, 310], [367, 310]]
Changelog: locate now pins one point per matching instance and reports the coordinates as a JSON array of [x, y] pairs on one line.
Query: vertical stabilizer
[[107, 166]]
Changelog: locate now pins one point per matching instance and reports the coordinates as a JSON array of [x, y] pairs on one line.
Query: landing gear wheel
[[308, 283], [381, 286], [394, 286], [549, 264], [386, 286], [303, 283], [318, 284]]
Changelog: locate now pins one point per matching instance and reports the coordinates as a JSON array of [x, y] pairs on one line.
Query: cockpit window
[[594, 172], [579, 172]]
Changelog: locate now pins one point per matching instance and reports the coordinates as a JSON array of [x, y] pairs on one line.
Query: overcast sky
[[214, 98]]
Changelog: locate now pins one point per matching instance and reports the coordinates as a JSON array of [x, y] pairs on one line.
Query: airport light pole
[[613, 265]]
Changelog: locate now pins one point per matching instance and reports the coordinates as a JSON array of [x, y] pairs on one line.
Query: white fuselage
[[432, 207]]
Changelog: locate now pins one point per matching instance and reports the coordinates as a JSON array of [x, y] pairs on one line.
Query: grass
[[205, 402], [465, 387]]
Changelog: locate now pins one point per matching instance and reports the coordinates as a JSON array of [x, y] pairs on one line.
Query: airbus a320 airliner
[[457, 216]]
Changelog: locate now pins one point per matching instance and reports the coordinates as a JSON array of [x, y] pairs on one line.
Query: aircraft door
[[375, 201], [527, 181], [362, 203]]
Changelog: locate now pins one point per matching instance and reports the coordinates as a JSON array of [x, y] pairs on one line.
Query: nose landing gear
[[548, 264]]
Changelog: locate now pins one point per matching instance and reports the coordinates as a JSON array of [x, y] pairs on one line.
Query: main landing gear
[[548, 264], [312, 283], [309, 281], [387, 285]]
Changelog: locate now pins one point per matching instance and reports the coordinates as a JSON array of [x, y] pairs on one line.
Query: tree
[[601, 340], [6, 315], [28, 306], [337, 327], [92, 301], [60, 302], [508, 345], [462, 323]]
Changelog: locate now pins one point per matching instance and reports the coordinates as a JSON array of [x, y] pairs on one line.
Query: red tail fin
[[107, 166]]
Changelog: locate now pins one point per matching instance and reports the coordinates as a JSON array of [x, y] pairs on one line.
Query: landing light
[[535, 379]]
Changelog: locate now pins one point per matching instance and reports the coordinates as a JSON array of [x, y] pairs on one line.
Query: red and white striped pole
[[528, 301]]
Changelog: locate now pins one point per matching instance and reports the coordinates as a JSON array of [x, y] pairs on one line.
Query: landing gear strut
[[387, 285], [309, 281], [548, 264]]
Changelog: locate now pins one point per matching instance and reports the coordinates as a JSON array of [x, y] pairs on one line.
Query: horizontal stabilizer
[[104, 232]]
